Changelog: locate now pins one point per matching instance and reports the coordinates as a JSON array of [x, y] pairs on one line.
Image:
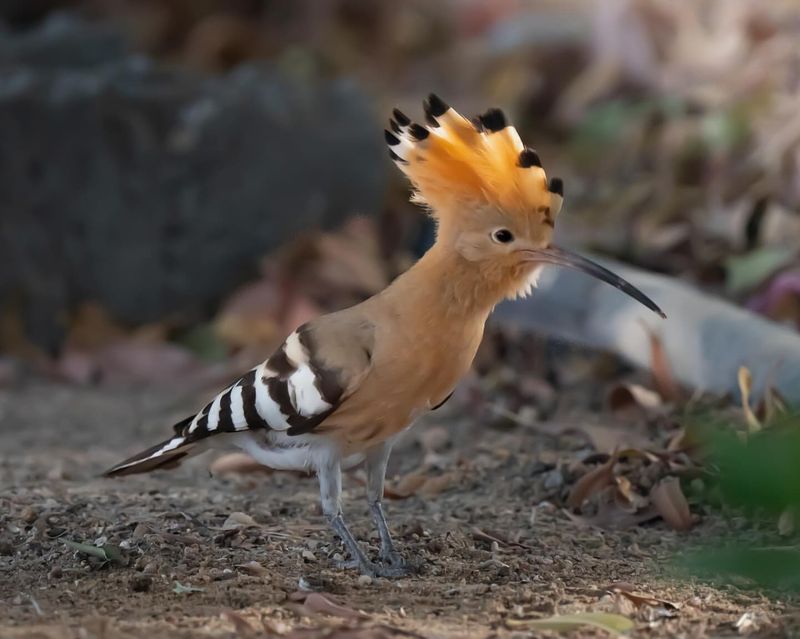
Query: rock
[[154, 191]]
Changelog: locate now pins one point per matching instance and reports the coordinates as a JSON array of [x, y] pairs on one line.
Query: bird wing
[[297, 388], [305, 381]]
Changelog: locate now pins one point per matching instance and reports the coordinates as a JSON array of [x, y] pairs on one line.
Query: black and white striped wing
[[293, 391], [288, 392]]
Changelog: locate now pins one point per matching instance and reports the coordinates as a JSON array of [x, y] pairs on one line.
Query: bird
[[342, 387]]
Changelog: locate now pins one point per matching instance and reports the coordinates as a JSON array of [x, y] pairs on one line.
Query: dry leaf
[[592, 482], [663, 379], [669, 500], [626, 497], [615, 624], [625, 396], [237, 463], [253, 568], [419, 483], [638, 599], [440, 483], [745, 388], [409, 484], [239, 520], [321, 603]]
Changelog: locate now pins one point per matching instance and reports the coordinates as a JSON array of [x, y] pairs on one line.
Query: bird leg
[[330, 485], [376, 462]]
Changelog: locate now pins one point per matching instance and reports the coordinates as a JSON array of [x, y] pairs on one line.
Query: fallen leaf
[[180, 589], [615, 624], [106, 552], [747, 271], [625, 396], [253, 568], [745, 388], [420, 483], [409, 484], [663, 379], [611, 517], [237, 463], [239, 520], [440, 483], [626, 497], [638, 599], [320, 603], [668, 498], [592, 482]]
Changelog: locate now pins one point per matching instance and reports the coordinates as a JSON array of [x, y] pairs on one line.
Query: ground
[[251, 542]]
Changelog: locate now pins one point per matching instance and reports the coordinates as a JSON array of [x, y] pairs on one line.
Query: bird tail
[[166, 455]]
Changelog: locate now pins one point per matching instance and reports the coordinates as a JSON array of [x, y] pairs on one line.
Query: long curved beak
[[562, 257]]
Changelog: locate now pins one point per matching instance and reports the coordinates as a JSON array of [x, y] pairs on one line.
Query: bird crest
[[456, 164]]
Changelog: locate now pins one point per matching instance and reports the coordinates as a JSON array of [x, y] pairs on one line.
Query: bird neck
[[444, 283]]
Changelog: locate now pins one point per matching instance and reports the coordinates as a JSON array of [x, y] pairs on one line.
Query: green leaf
[[615, 624], [106, 552], [180, 589], [747, 271]]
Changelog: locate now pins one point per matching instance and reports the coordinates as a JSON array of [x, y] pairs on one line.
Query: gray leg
[[330, 486], [377, 460]]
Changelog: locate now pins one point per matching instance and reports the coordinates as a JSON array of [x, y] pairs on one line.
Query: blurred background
[[181, 180]]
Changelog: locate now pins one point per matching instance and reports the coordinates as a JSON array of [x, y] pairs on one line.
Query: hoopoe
[[343, 386]]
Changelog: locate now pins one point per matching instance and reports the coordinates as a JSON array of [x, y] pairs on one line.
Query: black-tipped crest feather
[[402, 118], [528, 158], [493, 120]]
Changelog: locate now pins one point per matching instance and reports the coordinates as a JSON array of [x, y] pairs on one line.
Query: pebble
[[308, 555], [364, 580]]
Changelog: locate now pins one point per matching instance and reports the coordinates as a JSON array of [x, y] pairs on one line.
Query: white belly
[[279, 451]]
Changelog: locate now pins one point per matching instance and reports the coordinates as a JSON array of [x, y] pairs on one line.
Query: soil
[[188, 530]]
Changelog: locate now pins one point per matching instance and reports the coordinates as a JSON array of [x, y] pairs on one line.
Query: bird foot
[[390, 567], [393, 559]]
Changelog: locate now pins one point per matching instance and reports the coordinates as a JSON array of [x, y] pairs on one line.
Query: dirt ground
[[496, 480]]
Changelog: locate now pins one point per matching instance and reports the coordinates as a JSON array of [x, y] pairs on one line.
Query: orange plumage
[[343, 385]]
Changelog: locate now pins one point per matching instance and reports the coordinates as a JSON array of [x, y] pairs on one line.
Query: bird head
[[490, 197]]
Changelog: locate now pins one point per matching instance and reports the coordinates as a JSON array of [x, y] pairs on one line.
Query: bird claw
[[393, 559], [391, 566]]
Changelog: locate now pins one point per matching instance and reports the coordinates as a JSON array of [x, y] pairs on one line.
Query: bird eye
[[503, 236]]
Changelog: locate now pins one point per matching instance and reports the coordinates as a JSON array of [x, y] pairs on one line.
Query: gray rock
[[153, 191]]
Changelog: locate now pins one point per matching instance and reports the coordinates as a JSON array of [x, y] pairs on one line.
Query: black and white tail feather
[[289, 393]]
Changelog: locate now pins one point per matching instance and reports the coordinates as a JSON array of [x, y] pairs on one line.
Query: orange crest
[[455, 162]]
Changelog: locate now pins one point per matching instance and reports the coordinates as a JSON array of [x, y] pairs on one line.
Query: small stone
[[364, 580], [150, 568], [28, 515], [553, 479], [308, 555], [141, 583]]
